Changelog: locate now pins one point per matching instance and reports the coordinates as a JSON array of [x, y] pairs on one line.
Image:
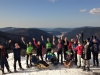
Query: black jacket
[[3, 53], [17, 52], [39, 49], [86, 54]]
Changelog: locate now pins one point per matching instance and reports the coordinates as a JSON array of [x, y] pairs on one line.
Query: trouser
[[23, 52], [86, 63], [48, 50], [60, 53], [75, 54], [4, 62], [64, 54], [95, 57], [79, 60], [38, 54], [29, 56], [19, 62]]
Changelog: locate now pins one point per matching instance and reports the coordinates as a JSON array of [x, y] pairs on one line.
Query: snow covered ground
[[54, 70]]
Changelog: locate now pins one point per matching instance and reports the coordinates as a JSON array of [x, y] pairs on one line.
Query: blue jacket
[[16, 52], [95, 46]]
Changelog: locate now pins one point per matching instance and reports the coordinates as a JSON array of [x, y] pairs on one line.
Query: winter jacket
[[66, 45], [3, 53], [95, 46], [16, 52], [70, 45], [59, 46], [29, 49], [79, 49], [48, 45], [86, 54], [39, 48]]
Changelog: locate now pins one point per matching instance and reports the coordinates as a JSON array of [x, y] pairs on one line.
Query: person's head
[[76, 35], [87, 40], [16, 45], [59, 41], [30, 43], [22, 38], [79, 43], [9, 41], [72, 40], [1, 46], [94, 41], [79, 34], [65, 39], [52, 51], [38, 42], [48, 39]]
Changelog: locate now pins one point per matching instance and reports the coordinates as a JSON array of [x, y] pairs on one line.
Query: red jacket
[[70, 45], [79, 49]]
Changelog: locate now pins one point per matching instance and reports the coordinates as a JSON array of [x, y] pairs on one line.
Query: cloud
[[95, 11], [83, 10], [53, 0]]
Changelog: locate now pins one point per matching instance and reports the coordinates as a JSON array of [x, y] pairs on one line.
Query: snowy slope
[[54, 70]]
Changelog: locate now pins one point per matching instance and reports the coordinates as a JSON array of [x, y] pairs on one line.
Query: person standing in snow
[[59, 51], [28, 52], [17, 56], [86, 55], [4, 57], [48, 45], [39, 47], [79, 50], [94, 41]]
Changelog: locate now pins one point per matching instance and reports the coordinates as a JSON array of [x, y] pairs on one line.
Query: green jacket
[[52, 54], [29, 49], [69, 52], [48, 45]]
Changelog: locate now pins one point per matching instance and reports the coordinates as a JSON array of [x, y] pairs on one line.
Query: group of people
[[77, 50]]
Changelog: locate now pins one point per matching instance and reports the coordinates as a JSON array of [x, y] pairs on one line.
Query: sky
[[49, 13]]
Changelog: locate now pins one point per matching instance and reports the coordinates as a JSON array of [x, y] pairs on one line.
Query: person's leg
[[84, 64], [78, 60], [30, 59], [15, 60], [75, 58], [93, 58], [6, 65], [88, 65], [19, 62], [96, 56], [58, 56], [27, 60], [2, 65], [46, 54], [61, 58], [81, 61], [64, 54], [41, 57]]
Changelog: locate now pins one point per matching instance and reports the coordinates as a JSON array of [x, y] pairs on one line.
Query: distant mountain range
[[16, 33], [88, 32], [53, 31]]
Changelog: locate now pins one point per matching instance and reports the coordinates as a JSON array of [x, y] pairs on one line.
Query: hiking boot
[[9, 71], [78, 66], [21, 69], [15, 71], [27, 66], [88, 69], [93, 65], [84, 68]]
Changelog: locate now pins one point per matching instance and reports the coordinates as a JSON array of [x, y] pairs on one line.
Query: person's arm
[[97, 39], [76, 48], [34, 41], [42, 38]]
